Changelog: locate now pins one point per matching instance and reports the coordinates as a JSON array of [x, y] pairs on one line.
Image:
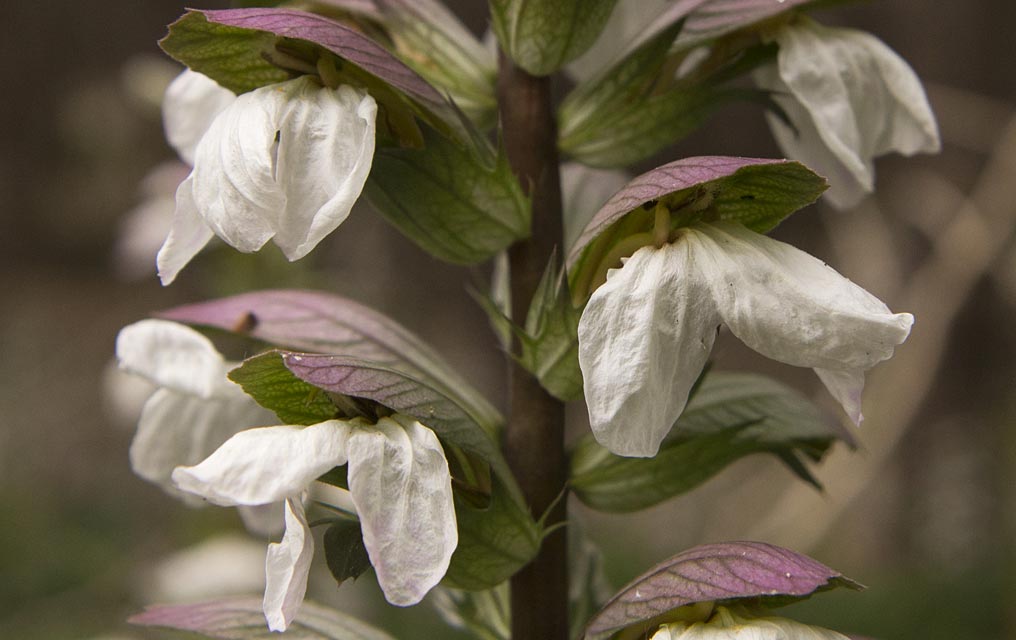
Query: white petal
[[400, 484], [845, 385], [172, 355], [234, 188], [191, 102], [644, 337], [188, 234], [259, 466], [264, 520], [861, 99], [326, 146], [287, 567], [180, 429], [790, 306]]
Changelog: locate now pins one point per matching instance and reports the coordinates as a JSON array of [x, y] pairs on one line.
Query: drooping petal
[[790, 306], [845, 385], [259, 466], [326, 146], [188, 235], [644, 337], [191, 102], [400, 484], [233, 183], [172, 355], [729, 625], [856, 94], [287, 567], [178, 429]]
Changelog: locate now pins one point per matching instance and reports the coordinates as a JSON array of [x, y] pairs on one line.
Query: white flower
[[646, 333], [726, 624], [190, 105], [284, 163], [194, 409], [399, 484], [851, 99]]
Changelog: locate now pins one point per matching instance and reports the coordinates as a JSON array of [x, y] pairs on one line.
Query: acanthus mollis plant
[[289, 114]]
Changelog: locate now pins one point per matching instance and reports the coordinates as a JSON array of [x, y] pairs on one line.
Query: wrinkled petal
[[727, 625], [790, 306], [287, 567], [644, 338], [188, 235], [259, 466], [180, 429], [265, 520], [845, 385], [856, 95], [233, 182], [326, 146], [400, 484], [191, 102], [174, 356]]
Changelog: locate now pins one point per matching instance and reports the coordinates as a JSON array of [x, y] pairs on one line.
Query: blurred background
[[924, 512]]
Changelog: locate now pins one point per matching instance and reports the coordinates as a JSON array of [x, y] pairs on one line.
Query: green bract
[[541, 36]]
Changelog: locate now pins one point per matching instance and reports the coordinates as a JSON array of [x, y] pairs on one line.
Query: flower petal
[[233, 181], [861, 99], [180, 429], [259, 466], [790, 306], [326, 146], [188, 235], [191, 102], [287, 567], [172, 355], [400, 484], [644, 337]]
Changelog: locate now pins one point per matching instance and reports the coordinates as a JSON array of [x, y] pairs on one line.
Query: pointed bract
[[851, 99], [284, 162]]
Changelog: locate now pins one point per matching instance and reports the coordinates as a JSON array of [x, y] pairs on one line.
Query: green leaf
[[731, 416], [266, 379], [495, 541], [550, 339], [233, 618], [344, 550], [449, 201], [485, 614], [232, 56], [541, 36]]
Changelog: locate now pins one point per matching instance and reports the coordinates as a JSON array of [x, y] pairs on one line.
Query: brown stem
[[534, 437]]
